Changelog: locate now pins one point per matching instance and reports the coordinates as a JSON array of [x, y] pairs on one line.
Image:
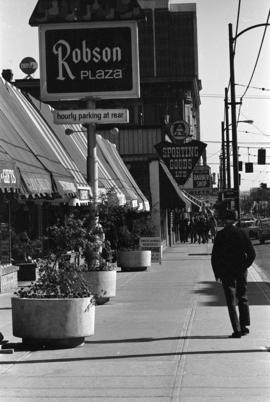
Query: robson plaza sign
[[180, 159], [100, 59]]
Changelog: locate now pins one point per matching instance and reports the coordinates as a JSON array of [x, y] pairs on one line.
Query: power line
[[243, 142], [258, 56], [255, 65], [251, 87], [237, 22], [220, 96]]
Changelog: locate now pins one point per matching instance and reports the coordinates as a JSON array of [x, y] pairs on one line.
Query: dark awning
[[171, 195]]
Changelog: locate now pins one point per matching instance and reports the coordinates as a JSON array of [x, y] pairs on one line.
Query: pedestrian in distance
[[232, 255]]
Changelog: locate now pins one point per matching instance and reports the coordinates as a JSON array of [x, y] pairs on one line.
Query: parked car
[[250, 227], [263, 230]]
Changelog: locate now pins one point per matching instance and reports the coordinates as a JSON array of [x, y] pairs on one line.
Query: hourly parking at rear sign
[[101, 116]]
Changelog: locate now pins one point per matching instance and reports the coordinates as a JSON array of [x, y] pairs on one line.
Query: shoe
[[236, 335], [244, 331]]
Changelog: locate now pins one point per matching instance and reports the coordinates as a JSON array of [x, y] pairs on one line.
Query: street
[[262, 257]]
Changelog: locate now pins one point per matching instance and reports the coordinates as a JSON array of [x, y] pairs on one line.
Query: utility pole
[[234, 125], [228, 159], [223, 186]]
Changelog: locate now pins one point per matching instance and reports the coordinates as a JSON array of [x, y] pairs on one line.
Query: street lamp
[[69, 131], [232, 39]]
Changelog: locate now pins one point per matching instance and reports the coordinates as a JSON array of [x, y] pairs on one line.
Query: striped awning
[[44, 165], [9, 175]]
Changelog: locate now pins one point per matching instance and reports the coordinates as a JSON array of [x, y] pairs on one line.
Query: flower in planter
[[97, 254], [57, 279], [84, 236]]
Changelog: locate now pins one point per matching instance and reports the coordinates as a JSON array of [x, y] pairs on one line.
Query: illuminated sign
[[28, 65], [97, 59]]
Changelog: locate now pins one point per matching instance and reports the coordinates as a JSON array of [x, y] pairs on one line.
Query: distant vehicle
[[250, 227], [263, 230]]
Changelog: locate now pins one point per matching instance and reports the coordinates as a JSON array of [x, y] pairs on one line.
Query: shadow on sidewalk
[[136, 356], [20, 347], [157, 339], [258, 293]]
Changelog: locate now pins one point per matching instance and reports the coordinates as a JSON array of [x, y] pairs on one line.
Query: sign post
[[88, 60], [153, 244]]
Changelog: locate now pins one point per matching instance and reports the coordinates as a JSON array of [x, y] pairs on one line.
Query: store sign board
[[180, 159], [97, 59], [8, 175], [83, 116], [179, 130], [201, 177], [153, 244]]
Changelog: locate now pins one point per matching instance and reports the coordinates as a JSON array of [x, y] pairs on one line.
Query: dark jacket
[[232, 252]]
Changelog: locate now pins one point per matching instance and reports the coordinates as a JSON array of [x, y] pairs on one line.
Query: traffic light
[[261, 156], [240, 166], [249, 167]]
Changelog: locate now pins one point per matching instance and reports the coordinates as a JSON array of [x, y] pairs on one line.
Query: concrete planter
[[138, 260], [53, 322], [102, 284]]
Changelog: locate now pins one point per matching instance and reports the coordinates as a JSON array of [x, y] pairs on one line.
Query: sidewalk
[[164, 337]]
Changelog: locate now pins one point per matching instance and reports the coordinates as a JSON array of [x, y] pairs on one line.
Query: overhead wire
[[255, 65], [237, 23]]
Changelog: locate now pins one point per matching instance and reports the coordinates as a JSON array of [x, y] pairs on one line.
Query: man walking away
[[232, 254]]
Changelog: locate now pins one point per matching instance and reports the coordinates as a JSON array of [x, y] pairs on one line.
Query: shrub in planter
[[129, 255], [58, 310], [98, 269], [85, 236]]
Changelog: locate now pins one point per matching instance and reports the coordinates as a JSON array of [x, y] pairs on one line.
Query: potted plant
[[130, 256], [98, 268], [82, 239], [58, 310]]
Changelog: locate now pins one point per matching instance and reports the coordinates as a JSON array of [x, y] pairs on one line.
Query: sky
[[19, 40]]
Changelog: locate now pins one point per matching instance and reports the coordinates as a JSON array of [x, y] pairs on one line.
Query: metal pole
[[228, 163], [234, 125], [91, 162], [223, 156]]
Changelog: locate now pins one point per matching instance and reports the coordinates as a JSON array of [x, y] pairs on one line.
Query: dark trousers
[[235, 290]]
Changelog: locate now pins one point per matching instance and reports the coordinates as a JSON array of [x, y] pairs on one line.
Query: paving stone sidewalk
[[164, 337]]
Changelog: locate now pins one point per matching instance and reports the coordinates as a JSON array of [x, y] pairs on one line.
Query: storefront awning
[[45, 167], [76, 144], [122, 175], [112, 172], [176, 188], [35, 179], [53, 135], [9, 177]]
